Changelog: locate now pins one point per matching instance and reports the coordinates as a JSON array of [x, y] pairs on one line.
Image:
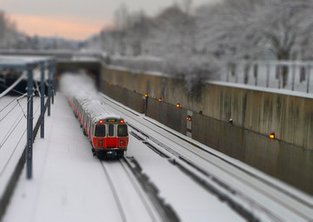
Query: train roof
[[98, 111]]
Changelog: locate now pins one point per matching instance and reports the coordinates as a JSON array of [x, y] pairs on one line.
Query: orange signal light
[[146, 95], [178, 106], [272, 136]]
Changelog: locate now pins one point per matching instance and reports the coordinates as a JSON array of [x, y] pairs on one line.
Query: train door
[[111, 134]]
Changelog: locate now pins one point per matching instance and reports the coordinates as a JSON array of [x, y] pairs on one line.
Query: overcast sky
[[75, 19]]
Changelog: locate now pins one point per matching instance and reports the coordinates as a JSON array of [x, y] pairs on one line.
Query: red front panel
[[111, 142], [100, 142]]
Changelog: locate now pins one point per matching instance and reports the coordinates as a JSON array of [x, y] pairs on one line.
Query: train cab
[[109, 136]]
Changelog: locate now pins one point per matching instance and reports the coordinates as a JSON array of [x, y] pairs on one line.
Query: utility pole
[[29, 150], [49, 88], [52, 82], [42, 100]]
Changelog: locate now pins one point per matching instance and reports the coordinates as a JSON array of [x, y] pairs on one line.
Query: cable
[[8, 112], [7, 105], [6, 164], [11, 130], [17, 99], [13, 85], [13, 90], [14, 126]]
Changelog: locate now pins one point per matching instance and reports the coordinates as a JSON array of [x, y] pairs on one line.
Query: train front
[[110, 137]]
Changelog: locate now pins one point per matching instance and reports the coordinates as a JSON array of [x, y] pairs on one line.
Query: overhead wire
[[1, 119], [17, 103], [13, 85], [11, 155], [6, 106], [14, 126], [13, 90], [11, 130]]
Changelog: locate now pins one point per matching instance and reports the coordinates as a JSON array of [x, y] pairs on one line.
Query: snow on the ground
[[68, 183], [190, 201]]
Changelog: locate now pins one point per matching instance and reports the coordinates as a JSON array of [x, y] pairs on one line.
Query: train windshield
[[122, 130], [100, 131]]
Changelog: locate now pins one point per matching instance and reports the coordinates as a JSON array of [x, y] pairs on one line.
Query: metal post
[[308, 83], [49, 90], [255, 73], [29, 151], [236, 74], [228, 72], [293, 77], [267, 75], [42, 100], [279, 76]]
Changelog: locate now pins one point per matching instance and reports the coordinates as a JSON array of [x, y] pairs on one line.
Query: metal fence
[[289, 75]]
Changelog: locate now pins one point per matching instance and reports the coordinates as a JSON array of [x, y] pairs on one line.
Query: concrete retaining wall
[[290, 117]]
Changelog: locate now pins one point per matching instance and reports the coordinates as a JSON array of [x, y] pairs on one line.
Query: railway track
[[249, 192], [136, 193]]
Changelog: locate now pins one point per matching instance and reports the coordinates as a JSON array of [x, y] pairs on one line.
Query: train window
[[111, 130], [100, 131], [122, 130]]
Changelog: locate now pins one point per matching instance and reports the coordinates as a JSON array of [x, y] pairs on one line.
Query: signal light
[[101, 122], [122, 121], [146, 95], [178, 106], [272, 136]]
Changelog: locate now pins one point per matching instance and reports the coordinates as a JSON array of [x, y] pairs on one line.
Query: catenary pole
[[42, 100], [29, 150]]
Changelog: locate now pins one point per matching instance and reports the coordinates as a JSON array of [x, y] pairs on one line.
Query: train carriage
[[107, 132]]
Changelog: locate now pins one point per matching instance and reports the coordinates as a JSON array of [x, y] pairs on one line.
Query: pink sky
[[71, 28]]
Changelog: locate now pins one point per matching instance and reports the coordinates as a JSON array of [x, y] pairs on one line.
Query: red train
[[107, 132]]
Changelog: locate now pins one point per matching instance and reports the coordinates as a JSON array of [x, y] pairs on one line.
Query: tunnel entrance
[[92, 68]]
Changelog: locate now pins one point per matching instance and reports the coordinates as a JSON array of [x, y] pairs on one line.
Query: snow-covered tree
[[8, 33], [189, 42]]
